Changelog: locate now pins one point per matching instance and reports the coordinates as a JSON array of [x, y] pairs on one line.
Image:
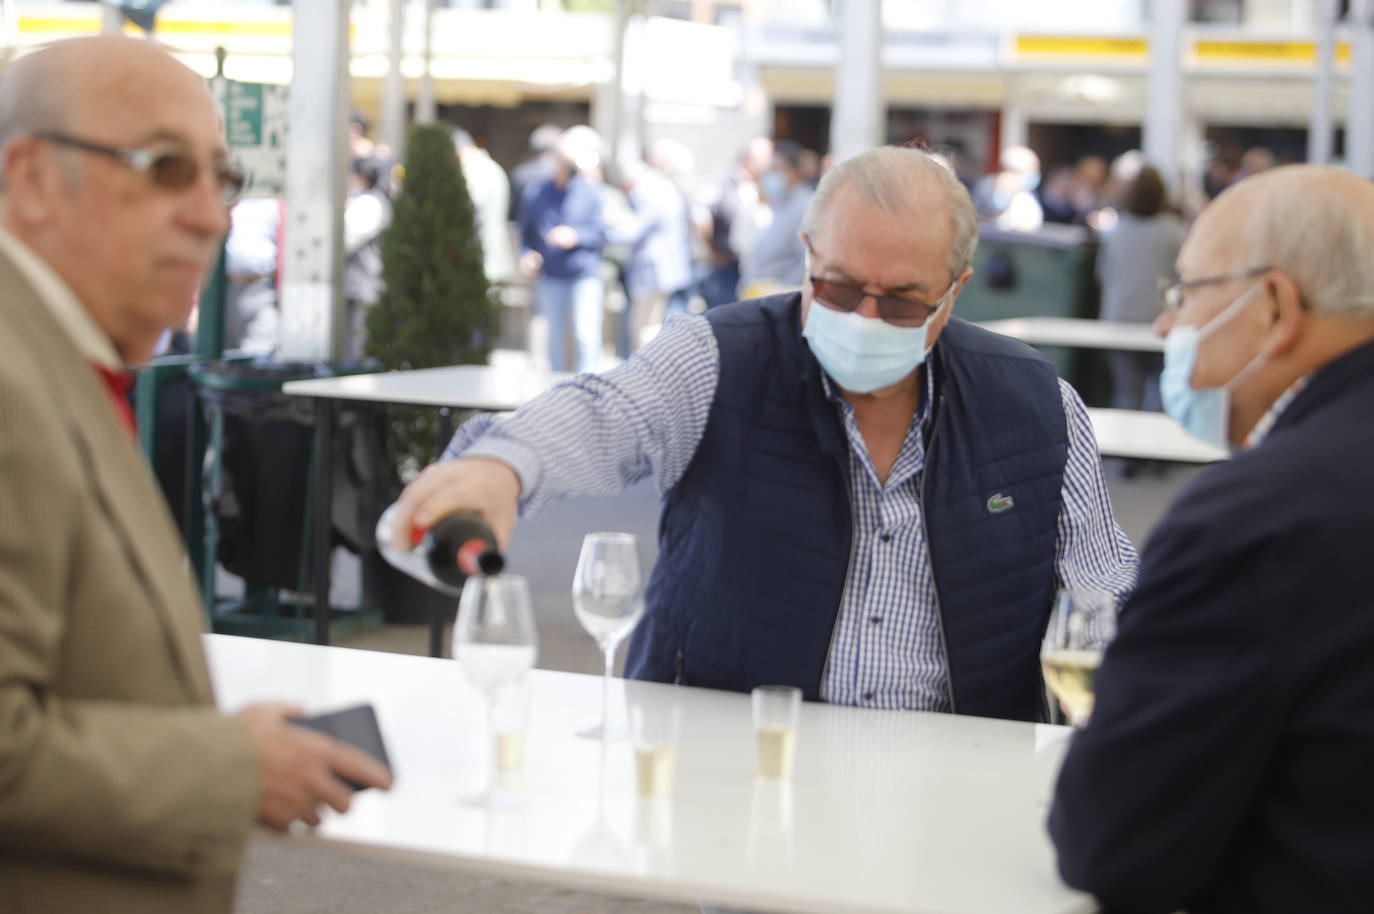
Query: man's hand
[[531, 263], [562, 236], [489, 488], [299, 769]]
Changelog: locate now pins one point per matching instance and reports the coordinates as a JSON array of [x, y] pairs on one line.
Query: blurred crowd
[[602, 253], [608, 252]]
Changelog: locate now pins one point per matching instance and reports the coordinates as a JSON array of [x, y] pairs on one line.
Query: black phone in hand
[[356, 726]]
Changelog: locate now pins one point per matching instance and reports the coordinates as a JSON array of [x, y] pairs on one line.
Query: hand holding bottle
[[477, 485]]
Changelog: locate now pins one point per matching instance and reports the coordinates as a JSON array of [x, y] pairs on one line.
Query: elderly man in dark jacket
[[1227, 764]]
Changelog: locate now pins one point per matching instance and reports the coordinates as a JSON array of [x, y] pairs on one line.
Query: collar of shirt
[[63, 303], [1266, 423], [832, 392]]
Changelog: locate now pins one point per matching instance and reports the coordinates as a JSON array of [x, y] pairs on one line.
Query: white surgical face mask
[[1206, 413], [863, 354]]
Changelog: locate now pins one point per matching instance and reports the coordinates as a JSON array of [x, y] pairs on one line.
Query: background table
[[1080, 333], [889, 811], [484, 387], [1148, 436]]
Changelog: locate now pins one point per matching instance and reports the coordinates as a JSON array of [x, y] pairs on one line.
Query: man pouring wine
[[864, 497]]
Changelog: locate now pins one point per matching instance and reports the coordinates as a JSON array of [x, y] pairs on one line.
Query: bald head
[[63, 86], [1314, 222], [132, 243]]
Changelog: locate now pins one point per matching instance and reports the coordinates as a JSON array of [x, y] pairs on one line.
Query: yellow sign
[[90, 25], [1043, 48], [1081, 46], [1263, 52], [87, 25]]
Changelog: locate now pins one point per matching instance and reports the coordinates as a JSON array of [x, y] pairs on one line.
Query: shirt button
[[868, 696], [875, 619], [887, 537]]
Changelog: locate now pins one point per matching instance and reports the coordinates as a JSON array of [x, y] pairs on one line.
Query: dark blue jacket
[[545, 206], [1229, 763], [755, 538]]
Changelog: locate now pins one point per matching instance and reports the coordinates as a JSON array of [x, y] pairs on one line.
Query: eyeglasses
[[894, 309], [166, 168], [1172, 293]]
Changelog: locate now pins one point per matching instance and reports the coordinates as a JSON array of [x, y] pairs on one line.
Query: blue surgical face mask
[[1206, 413], [863, 354], [773, 185]]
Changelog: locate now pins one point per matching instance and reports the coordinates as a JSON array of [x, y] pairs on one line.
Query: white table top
[[889, 811], [1148, 436], [1078, 333], [486, 387], [1120, 432]]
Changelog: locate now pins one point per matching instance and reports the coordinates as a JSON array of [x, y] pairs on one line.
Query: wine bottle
[[447, 554]]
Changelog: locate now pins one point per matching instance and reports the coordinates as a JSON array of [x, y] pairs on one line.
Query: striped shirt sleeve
[[1093, 553], [595, 434]]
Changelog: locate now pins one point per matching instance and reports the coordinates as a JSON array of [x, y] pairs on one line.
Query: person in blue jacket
[[562, 234]]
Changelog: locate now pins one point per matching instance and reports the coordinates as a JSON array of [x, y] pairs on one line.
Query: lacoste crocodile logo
[[1000, 504]]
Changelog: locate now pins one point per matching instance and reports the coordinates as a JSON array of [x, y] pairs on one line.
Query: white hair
[[899, 181], [1317, 232], [33, 97]]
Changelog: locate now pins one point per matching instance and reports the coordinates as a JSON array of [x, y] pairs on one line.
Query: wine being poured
[[457, 547]]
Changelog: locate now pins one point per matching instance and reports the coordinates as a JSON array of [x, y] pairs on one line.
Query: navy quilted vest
[[754, 540]]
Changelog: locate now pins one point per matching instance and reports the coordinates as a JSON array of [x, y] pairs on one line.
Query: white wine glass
[[608, 602], [495, 643], [1082, 624]]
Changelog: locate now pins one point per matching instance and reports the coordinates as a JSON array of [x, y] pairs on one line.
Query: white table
[[484, 387], [1148, 436], [1078, 333], [889, 811]]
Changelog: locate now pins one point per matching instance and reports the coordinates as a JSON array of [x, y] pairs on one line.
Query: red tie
[[118, 383]]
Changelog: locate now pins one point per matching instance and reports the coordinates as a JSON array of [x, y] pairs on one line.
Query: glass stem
[[609, 654], [493, 766]]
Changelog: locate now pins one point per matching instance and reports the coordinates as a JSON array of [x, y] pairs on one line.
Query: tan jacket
[[121, 789]]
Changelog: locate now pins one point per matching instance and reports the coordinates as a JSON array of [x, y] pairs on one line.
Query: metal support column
[[111, 20], [425, 109], [1359, 116], [1319, 130], [856, 124], [392, 129], [1163, 127], [317, 162]]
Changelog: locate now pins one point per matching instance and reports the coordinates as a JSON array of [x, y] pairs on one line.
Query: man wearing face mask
[[1226, 765], [862, 496]]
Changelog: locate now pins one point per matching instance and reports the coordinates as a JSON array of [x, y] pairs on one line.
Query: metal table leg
[[321, 540], [437, 602]]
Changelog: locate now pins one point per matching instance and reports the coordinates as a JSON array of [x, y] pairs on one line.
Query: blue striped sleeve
[[598, 433], [1093, 553]]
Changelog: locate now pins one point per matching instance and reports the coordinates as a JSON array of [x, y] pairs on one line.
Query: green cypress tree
[[436, 307]]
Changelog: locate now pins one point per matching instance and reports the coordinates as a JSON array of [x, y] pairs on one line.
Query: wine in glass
[[494, 642], [607, 600], [1082, 623]]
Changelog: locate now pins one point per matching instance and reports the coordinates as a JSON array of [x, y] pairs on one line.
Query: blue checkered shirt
[[598, 433]]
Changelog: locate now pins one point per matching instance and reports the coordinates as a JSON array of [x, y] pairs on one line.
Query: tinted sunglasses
[[894, 309], [165, 167]]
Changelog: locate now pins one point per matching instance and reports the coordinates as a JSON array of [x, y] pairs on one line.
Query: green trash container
[[257, 491], [1046, 273]]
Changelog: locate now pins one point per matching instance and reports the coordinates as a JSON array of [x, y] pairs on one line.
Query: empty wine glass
[[607, 599], [495, 643], [1082, 624]]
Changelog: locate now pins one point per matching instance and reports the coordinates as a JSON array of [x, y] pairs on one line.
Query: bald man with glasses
[[863, 496], [121, 787], [1227, 763]]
